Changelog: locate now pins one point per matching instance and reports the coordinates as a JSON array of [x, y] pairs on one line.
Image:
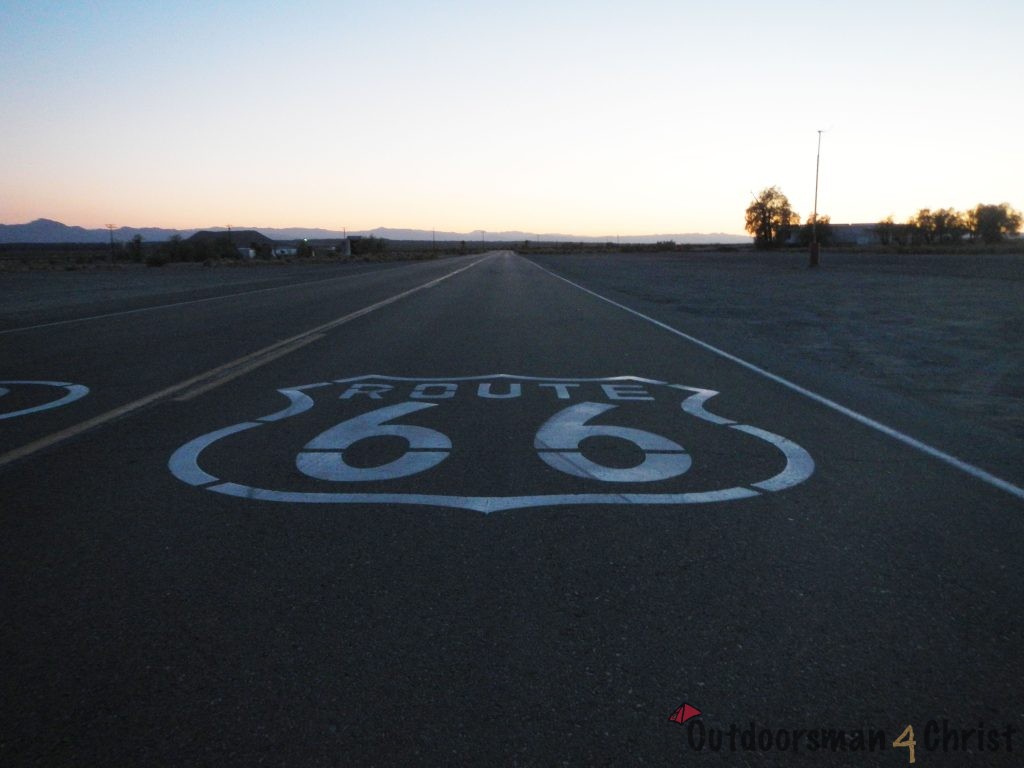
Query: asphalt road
[[466, 513]]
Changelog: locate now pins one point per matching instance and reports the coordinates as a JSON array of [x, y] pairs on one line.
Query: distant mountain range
[[49, 231]]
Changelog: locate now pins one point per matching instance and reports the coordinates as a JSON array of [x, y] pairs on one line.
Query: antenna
[[814, 216]]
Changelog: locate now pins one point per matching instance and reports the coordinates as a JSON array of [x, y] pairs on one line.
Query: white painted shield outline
[[74, 392], [184, 463]]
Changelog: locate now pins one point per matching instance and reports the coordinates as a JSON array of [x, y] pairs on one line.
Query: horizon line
[[475, 233]]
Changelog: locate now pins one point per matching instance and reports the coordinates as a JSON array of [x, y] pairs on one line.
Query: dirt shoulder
[[938, 339]]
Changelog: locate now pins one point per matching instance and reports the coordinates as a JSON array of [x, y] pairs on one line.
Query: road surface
[[466, 512]]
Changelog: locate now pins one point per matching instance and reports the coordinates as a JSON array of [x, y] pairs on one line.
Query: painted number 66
[[557, 443]]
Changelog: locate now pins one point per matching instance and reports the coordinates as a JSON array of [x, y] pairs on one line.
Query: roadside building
[[855, 234], [243, 243]]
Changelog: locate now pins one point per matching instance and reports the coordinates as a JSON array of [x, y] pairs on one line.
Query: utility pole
[[814, 216], [111, 228]]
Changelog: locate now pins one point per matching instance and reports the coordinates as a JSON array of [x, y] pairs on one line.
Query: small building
[[837, 234], [243, 243], [855, 234]]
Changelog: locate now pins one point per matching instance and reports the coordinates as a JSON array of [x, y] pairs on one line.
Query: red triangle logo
[[683, 713]]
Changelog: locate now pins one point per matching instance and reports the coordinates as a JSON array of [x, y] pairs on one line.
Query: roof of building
[[239, 237]]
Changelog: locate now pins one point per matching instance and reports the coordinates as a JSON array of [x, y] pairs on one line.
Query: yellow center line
[[219, 375]]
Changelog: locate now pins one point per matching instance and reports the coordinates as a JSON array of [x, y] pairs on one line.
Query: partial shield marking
[[694, 405], [299, 403], [484, 504], [799, 464], [184, 463], [74, 392]]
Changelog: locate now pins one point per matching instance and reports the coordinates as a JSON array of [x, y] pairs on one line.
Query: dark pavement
[[495, 522]]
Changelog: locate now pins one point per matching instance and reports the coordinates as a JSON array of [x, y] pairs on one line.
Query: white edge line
[[976, 472]]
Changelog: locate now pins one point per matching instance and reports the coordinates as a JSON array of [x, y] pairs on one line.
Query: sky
[[589, 118]]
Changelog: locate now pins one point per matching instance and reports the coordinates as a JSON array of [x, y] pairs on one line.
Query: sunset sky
[[589, 118]]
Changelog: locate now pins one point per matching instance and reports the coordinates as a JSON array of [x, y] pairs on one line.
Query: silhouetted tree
[[770, 218], [949, 225], [923, 225], [174, 249], [824, 230], [201, 250], [886, 230], [224, 248], [369, 246], [993, 222], [135, 248]]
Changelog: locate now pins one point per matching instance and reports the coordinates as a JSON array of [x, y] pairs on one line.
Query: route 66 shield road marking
[[416, 412]]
